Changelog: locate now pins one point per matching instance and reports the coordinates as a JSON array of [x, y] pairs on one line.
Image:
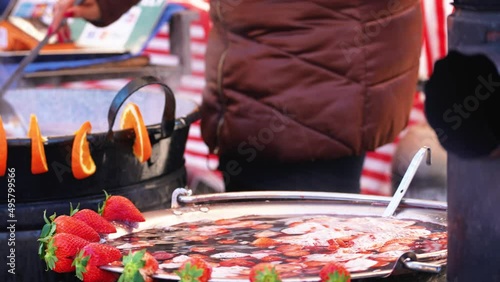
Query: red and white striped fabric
[[376, 176]]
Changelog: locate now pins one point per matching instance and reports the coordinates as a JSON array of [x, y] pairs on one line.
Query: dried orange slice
[[82, 164], [132, 118], [38, 159], [3, 149]]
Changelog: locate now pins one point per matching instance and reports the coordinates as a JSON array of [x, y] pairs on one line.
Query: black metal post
[[474, 185]]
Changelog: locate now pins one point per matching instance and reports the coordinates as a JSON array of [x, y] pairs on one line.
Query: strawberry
[[92, 256], [237, 262], [119, 208], [59, 251], [264, 242], [333, 272], [194, 270], [66, 224], [138, 266], [93, 219], [264, 272]]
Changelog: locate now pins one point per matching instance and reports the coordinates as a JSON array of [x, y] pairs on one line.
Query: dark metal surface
[[474, 184], [150, 195], [116, 166], [473, 221], [486, 5]]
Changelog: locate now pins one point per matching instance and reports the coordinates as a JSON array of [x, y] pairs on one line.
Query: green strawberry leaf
[[190, 273], [100, 209], [338, 277], [268, 275], [46, 234], [50, 254], [132, 263], [80, 263], [71, 210]]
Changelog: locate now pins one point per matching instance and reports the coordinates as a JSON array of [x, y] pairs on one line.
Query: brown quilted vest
[[309, 80]]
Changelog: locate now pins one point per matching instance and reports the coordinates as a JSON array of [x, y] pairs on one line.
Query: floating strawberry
[[59, 251], [93, 219], [119, 208], [194, 270], [333, 272], [264, 242], [138, 266], [67, 224], [92, 256], [264, 272]]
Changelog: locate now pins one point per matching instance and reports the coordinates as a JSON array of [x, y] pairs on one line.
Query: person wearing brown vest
[[298, 91]]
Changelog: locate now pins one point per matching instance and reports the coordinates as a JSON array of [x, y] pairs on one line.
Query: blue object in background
[[3, 5]]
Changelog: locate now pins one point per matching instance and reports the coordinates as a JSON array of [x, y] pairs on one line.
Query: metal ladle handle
[[407, 178]]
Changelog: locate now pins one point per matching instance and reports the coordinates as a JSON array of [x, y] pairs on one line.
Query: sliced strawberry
[[264, 242], [225, 221], [296, 253], [202, 249], [66, 224], [219, 231], [266, 233], [119, 208], [91, 257], [198, 256], [313, 263], [237, 262], [138, 266], [162, 255], [227, 241], [333, 272], [197, 238], [263, 226], [59, 251], [194, 270], [271, 258], [264, 272], [288, 248], [93, 219]]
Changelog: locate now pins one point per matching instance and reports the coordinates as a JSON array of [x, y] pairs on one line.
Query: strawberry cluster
[[71, 243]]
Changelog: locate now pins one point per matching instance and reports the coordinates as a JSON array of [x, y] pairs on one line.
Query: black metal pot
[[116, 166], [60, 112]]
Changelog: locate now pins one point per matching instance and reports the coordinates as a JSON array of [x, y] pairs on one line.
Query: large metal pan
[[187, 208], [61, 112]]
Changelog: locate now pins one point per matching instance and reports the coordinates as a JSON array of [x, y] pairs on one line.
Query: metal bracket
[[176, 194]]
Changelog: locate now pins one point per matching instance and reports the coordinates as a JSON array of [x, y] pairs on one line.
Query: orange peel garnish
[[132, 118], [38, 159], [3, 149], [82, 164]]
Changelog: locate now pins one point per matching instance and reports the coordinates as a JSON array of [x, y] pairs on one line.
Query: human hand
[[87, 9]]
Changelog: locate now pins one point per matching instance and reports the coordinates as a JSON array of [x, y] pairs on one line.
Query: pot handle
[[168, 117]]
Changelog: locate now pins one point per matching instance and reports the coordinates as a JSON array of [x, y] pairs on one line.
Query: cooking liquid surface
[[298, 246]]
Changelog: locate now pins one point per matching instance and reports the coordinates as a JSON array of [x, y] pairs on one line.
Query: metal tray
[[188, 208]]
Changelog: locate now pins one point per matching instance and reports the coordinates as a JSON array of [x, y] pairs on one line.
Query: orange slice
[[82, 164], [3, 149], [38, 159], [132, 118]]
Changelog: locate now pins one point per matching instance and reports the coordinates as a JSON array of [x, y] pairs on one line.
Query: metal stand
[[473, 224]]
